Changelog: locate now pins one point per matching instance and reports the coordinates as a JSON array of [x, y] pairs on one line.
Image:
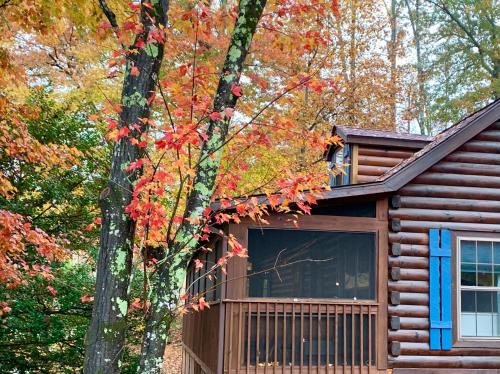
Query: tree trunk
[[352, 105], [170, 275], [106, 334], [393, 67], [416, 25]]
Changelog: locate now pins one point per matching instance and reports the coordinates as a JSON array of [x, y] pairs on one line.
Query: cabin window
[[340, 172], [294, 263], [479, 291]]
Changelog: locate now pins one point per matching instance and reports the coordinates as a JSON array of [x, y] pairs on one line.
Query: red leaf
[[198, 265], [111, 123], [134, 71], [140, 43], [236, 90], [105, 25], [202, 304], [136, 304], [134, 6], [241, 209], [86, 299], [127, 25], [183, 70], [136, 164], [123, 132], [215, 116], [335, 7], [52, 290]]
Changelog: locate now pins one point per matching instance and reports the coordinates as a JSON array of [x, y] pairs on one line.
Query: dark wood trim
[[445, 371], [316, 222], [354, 164], [220, 348], [414, 144], [311, 369], [251, 300], [382, 279]]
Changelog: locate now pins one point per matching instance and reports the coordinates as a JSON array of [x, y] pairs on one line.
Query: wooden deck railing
[[295, 337]]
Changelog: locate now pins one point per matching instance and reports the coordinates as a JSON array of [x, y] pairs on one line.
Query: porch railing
[[269, 337]]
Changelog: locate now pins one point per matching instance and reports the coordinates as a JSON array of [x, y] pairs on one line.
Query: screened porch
[[309, 298]]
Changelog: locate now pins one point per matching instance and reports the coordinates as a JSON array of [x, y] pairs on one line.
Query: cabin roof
[[378, 138], [442, 145]]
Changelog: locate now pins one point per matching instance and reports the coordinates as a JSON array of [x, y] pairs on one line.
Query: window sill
[[477, 344]]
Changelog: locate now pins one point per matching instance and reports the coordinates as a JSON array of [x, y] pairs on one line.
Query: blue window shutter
[[440, 289]]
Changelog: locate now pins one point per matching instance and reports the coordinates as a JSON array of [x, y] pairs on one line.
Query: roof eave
[[443, 149]]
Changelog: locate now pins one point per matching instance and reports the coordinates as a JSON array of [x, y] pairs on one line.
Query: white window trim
[[459, 287]]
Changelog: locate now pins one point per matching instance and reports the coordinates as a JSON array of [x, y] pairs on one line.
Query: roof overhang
[[394, 179], [377, 138]]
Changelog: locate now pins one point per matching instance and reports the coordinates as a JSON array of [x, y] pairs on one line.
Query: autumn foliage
[[311, 64]]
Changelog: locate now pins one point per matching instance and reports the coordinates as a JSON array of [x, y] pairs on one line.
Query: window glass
[[339, 164], [480, 288], [290, 263]]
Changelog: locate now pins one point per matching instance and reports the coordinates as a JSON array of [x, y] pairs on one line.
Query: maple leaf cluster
[[17, 235]]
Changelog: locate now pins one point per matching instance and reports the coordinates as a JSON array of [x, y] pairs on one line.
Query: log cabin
[[396, 269]]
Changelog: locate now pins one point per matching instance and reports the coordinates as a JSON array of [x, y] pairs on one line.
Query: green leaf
[[152, 50]]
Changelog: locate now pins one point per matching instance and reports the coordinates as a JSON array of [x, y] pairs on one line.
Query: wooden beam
[[354, 164]]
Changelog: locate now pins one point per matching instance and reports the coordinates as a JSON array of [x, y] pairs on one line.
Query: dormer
[[367, 154]]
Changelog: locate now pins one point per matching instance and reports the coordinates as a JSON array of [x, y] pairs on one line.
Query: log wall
[[373, 161], [461, 192]]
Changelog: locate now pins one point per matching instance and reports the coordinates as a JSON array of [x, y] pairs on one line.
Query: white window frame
[[459, 287]]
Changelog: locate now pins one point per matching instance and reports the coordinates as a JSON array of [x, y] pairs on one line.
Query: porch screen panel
[[292, 263]]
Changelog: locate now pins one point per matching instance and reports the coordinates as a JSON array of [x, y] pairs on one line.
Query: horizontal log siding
[[374, 161], [461, 192]]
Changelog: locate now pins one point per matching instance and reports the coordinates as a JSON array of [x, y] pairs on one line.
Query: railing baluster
[[230, 348], [345, 339], [284, 339], [336, 333], [353, 340], [327, 339], [301, 337], [275, 337], [319, 337], [257, 339], [292, 363], [361, 339], [249, 332], [369, 338], [267, 338], [240, 328], [310, 335]]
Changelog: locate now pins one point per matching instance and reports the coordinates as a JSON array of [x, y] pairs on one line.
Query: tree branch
[[110, 15]]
